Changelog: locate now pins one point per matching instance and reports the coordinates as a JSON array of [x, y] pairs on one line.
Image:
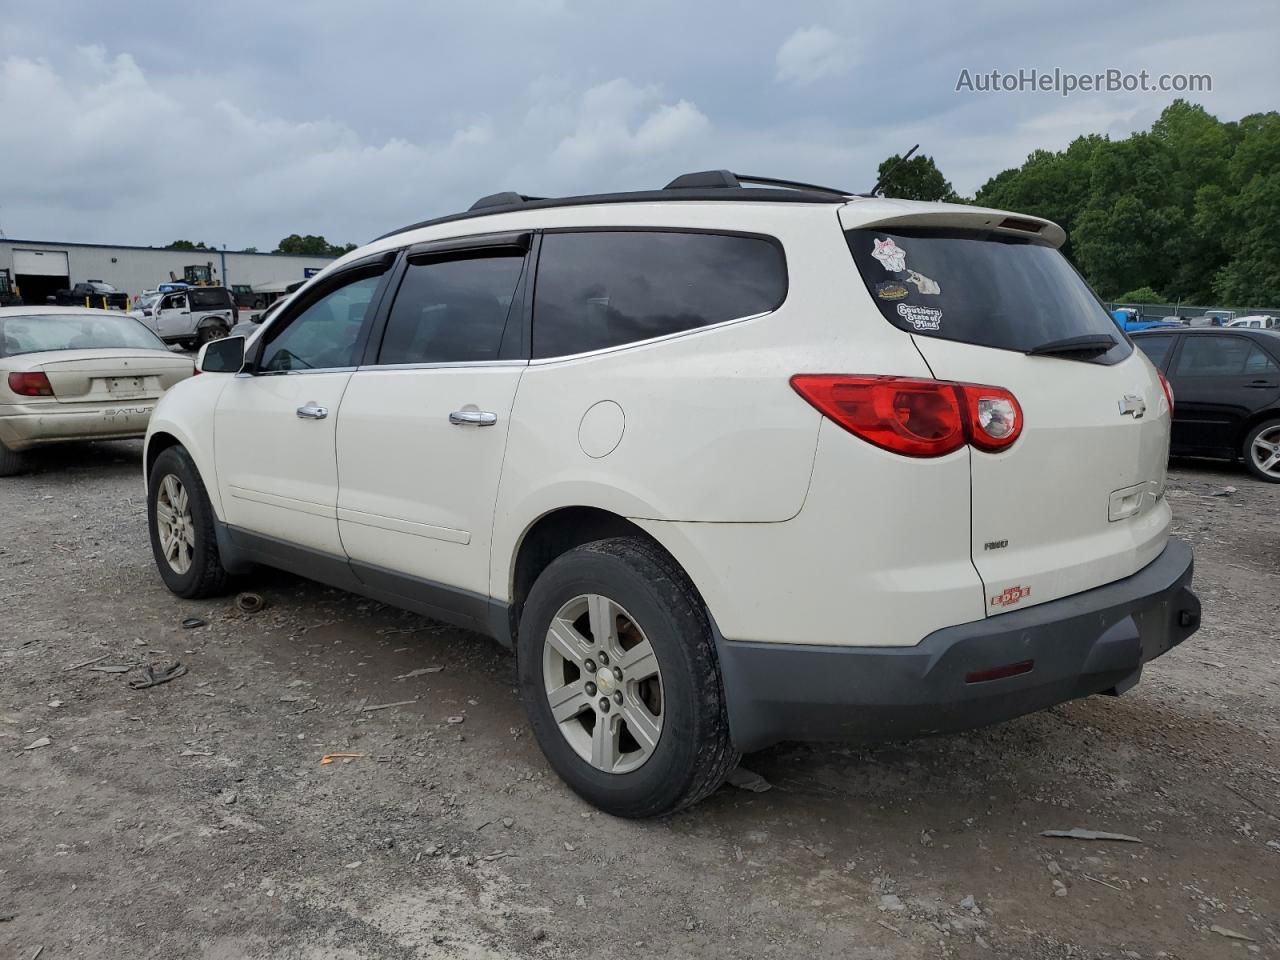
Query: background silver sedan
[[67, 373]]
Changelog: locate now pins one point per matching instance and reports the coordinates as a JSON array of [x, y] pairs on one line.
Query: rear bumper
[[1092, 642], [34, 425]]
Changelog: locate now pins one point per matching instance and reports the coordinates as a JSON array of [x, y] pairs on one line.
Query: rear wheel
[[12, 462], [620, 679], [213, 330], [180, 518], [1262, 451]]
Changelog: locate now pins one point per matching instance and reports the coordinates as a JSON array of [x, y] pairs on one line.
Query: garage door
[[41, 263]]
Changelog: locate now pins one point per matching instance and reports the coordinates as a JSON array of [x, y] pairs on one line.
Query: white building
[[38, 268]]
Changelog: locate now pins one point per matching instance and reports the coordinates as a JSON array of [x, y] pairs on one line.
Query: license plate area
[[126, 386]]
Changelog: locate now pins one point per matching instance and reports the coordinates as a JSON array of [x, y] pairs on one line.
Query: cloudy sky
[[143, 122]]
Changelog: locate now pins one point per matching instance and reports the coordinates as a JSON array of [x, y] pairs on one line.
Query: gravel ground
[[195, 819]]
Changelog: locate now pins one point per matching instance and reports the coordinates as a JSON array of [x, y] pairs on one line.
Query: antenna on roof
[[880, 184]]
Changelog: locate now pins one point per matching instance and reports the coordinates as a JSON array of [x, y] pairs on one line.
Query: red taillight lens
[[918, 418], [1168, 390], [993, 416], [30, 384], [914, 417]]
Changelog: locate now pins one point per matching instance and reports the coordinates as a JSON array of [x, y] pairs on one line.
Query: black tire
[[1246, 451], [206, 576], [694, 752], [12, 462], [214, 330]]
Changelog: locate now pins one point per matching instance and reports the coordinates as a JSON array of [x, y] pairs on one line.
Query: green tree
[[1141, 295], [917, 179], [312, 246], [188, 245], [1190, 207], [1247, 216]]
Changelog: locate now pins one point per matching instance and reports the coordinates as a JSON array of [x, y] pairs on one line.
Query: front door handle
[[475, 418], [312, 411], [1261, 384]]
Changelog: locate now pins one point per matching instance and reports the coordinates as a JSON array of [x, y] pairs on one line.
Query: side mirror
[[221, 356]]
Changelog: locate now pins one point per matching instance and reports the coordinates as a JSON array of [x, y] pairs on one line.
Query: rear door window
[[599, 289], [1209, 355], [980, 287], [451, 311]]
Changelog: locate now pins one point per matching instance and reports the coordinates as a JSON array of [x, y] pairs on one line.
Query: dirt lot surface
[[195, 819]]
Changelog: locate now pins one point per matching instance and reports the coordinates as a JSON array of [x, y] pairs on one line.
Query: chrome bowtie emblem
[[1133, 406]]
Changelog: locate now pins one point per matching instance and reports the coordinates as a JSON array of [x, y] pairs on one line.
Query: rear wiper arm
[[1092, 343]]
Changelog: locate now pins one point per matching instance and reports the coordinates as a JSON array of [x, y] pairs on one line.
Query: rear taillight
[[1168, 390], [30, 384], [914, 417]]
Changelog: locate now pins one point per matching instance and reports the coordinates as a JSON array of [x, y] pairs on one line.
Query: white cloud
[[105, 153], [811, 54], [622, 119]]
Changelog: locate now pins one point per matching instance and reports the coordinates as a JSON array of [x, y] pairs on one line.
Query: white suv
[[724, 465]]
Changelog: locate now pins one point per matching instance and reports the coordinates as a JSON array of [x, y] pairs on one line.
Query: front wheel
[[181, 522], [619, 676], [1262, 451]]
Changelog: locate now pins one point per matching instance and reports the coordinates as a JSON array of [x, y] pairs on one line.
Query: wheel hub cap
[[174, 524], [603, 685]]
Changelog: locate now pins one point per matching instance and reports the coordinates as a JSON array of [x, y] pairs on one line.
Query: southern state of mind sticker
[[894, 259]]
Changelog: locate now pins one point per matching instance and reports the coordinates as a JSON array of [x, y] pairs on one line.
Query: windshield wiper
[[1091, 343]]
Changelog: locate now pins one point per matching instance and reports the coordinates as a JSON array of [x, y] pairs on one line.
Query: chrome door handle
[[475, 418], [312, 411]]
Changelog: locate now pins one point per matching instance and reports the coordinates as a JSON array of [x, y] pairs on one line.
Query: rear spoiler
[[906, 213]]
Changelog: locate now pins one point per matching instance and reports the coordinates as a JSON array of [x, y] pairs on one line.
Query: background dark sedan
[[1226, 391]]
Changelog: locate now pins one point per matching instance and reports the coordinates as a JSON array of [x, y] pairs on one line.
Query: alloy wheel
[[174, 524], [1266, 452], [603, 684]]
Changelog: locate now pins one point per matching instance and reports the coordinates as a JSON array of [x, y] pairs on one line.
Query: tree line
[[308, 246], [1188, 211]]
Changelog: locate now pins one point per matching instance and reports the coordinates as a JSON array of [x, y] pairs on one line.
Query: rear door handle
[[1261, 384], [475, 418], [312, 411]]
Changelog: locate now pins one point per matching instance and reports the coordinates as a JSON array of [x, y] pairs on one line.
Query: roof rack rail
[[505, 199], [712, 179]]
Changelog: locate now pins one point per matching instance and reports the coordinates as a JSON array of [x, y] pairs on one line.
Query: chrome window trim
[[442, 365], [679, 334], [285, 373]]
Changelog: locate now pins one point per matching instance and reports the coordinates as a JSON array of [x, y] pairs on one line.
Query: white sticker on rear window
[[923, 283], [922, 318], [891, 256]]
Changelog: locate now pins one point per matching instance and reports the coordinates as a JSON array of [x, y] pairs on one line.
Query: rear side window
[[598, 289], [1156, 348], [980, 287], [209, 299], [1221, 356], [451, 311]]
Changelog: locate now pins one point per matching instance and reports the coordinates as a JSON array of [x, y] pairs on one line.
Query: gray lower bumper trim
[[1092, 642]]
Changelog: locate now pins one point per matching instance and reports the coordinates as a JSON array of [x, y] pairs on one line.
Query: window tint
[[602, 289], [980, 287], [451, 311], [1157, 348], [1221, 356], [324, 334]]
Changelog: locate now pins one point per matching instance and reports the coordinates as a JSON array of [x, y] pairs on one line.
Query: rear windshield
[[61, 331], [208, 299], [980, 287]]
